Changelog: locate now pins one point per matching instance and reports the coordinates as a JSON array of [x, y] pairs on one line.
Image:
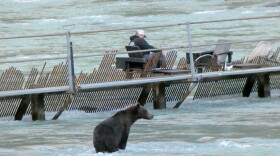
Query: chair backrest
[[133, 48], [220, 50], [262, 49]]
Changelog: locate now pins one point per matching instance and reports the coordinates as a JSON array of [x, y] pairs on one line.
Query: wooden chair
[[219, 55], [260, 52], [133, 48], [262, 49]]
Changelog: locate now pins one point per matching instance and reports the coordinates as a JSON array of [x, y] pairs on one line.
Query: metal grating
[[169, 60], [183, 64], [11, 79], [218, 88], [173, 92]]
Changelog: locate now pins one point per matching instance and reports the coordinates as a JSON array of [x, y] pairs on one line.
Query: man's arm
[[143, 44]]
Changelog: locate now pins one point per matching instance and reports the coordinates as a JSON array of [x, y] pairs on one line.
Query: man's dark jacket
[[141, 43]]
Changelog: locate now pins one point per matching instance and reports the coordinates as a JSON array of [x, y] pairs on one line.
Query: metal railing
[[144, 27]]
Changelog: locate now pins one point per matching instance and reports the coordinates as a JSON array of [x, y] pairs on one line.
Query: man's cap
[[140, 32]]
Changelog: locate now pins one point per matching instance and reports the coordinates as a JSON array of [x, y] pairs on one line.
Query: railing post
[[38, 106], [71, 76], [190, 49]]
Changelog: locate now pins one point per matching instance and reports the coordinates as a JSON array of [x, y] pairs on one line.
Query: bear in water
[[111, 134]]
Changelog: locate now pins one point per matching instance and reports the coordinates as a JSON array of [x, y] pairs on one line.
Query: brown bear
[[111, 134]]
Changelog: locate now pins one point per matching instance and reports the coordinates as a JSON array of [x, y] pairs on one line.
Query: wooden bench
[[134, 61]]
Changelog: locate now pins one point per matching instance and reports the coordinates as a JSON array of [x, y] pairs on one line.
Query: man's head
[[140, 33]]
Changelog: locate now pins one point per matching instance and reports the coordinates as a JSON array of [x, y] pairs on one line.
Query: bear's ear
[[137, 104]]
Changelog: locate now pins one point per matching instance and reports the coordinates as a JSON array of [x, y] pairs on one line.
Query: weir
[[109, 88]]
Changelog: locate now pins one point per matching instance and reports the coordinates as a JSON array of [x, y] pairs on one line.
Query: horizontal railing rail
[[143, 27], [137, 82], [136, 51]]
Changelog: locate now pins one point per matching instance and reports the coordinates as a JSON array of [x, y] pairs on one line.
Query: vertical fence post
[[70, 60], [190, 49], [37, 106]]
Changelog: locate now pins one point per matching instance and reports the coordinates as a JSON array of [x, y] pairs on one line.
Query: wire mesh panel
[[218, 88], [183, 64], [213, 65], [11, 79], [172, 93], [229, 87], [96, 101], [9, 107], [175, 91], [169, 60], [58, 77], [104, 100], [275, 82], [235, 86]]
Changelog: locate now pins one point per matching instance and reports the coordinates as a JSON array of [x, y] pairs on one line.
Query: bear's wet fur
[[111, 134]]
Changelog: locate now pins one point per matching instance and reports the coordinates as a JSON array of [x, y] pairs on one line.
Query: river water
[[225, 126], [37, 17], [219, 126]]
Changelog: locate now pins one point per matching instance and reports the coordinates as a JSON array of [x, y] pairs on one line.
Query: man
[[138, 40]]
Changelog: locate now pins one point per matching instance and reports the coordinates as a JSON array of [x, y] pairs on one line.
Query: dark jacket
[[141, 43]]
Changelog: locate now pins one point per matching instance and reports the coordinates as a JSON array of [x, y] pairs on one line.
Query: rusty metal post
[[159, 101], [190, 49], [37, 106], [263, 85], [70, 60]]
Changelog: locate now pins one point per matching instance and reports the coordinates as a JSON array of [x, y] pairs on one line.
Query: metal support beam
[[22, 107], [250, 81], [62, 108], [186, 94], [144, 94]]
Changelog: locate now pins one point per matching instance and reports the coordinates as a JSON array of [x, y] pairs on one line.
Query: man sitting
[[138, 40]]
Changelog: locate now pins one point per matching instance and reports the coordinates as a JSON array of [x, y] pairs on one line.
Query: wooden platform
[[171, 72], [249, 66]]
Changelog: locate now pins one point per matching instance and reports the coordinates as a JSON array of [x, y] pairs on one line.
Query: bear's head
[[141, 112]]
